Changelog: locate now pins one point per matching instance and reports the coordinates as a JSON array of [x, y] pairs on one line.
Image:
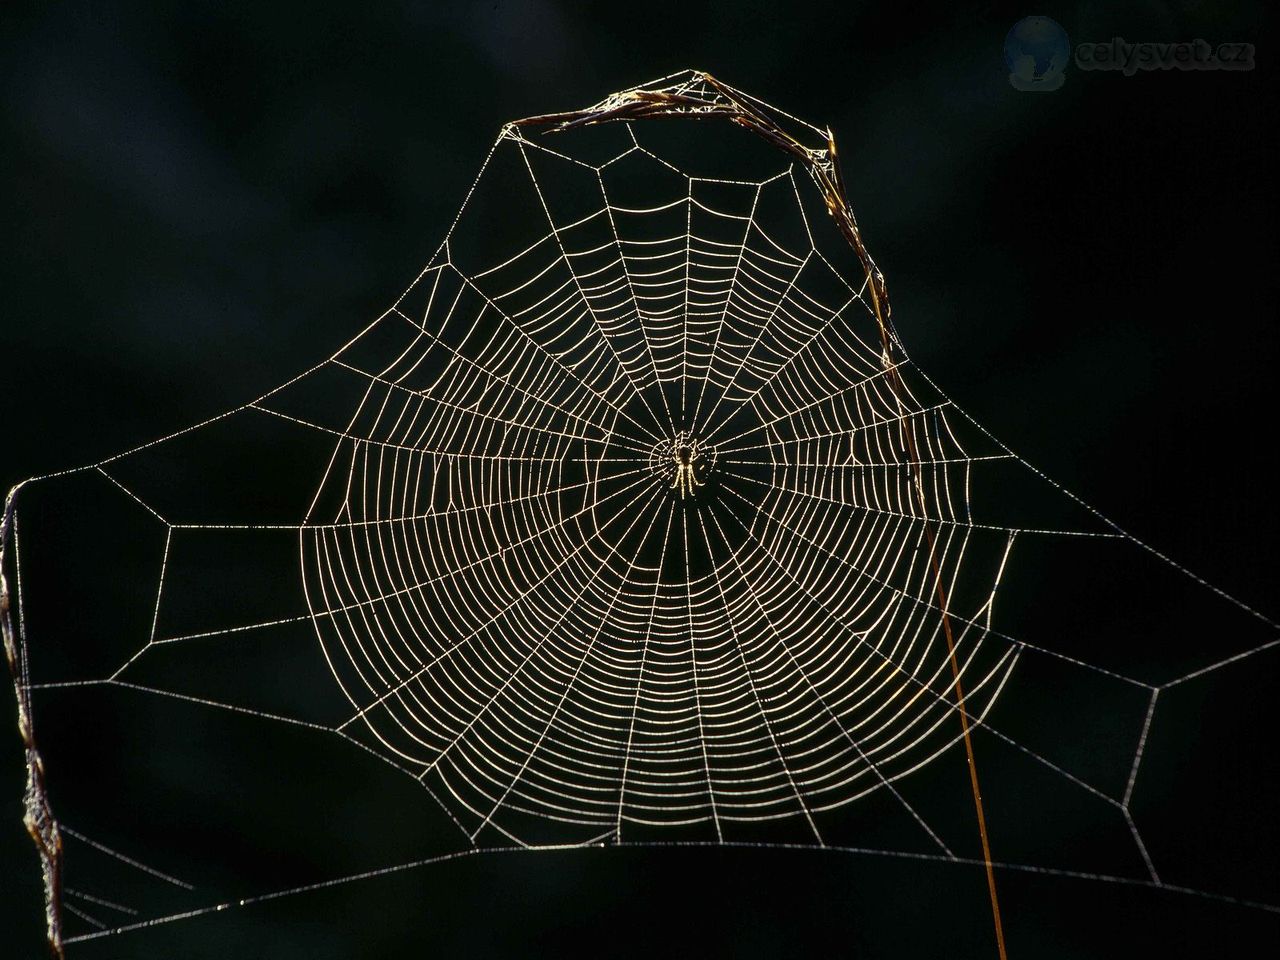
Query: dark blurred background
[[204, 199]]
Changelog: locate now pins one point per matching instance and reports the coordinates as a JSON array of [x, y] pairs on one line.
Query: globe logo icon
[[1036, 51]]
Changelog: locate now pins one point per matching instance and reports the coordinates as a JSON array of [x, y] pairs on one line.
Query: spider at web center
[[688, 460]]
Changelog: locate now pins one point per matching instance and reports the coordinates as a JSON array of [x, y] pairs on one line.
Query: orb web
[[623, 529], [635, 523]]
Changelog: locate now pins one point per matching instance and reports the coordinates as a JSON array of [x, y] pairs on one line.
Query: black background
[[203, 201]]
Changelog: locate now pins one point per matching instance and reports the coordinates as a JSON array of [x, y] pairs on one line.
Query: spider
[[685, 454]]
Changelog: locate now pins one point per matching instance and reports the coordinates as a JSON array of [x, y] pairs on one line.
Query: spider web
[[554, 628]]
